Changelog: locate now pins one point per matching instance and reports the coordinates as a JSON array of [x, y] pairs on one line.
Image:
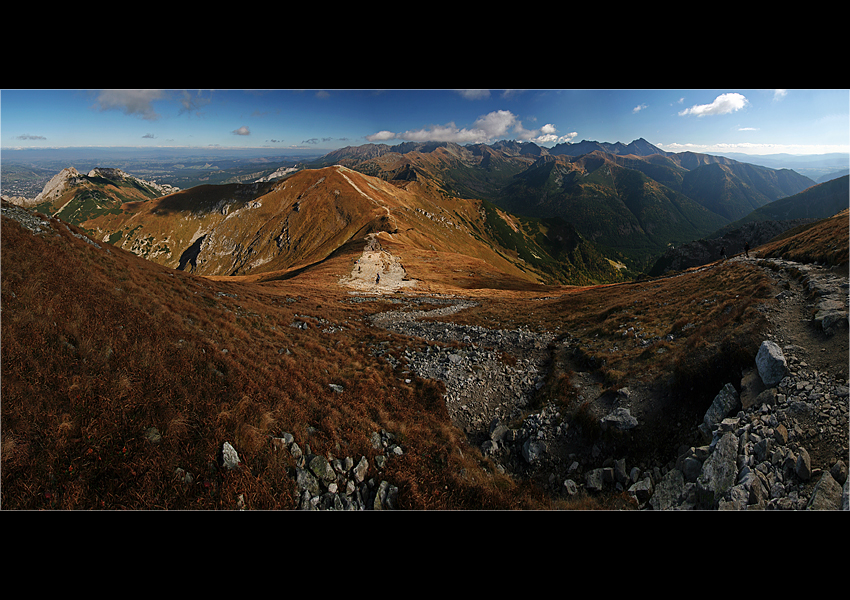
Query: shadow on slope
[[100, 346]]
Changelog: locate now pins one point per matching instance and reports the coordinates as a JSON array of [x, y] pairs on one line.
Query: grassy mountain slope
[[760, 226], [681, 196], [736, 189], [78, 198], [99, 346], [622, 210], [826, 241], [817, 202], [272, 228]]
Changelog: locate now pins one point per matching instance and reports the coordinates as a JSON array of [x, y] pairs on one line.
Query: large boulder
[[668, 491], [719, 472], [620, 419], [826, 495], [771, 363], [724, 402]]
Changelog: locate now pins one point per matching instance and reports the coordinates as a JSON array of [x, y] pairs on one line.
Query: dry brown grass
[[823, 242], [99, 346], [712, 315]]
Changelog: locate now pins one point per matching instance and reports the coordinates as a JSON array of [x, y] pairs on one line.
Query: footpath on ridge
[[783, 446], [377, 271]]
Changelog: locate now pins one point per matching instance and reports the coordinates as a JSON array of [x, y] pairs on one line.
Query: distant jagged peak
[[117, 175], [638, 147], [57, 184], [108, 173]]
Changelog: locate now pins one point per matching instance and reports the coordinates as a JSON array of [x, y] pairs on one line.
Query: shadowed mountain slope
[[643, 199]]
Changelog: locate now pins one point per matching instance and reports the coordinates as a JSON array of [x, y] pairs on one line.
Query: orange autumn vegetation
[[99, 345]]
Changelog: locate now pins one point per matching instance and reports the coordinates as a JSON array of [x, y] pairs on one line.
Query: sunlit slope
[[78, 198], [228, 230]]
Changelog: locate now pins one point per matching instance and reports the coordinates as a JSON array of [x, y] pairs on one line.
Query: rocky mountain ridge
[[630, 200]]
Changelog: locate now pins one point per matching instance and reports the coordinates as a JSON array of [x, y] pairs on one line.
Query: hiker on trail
[[378, 279], [747, 249], [723, 253]]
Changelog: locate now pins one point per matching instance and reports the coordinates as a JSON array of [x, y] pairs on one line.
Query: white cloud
[[494, 125], [242, 131], [779, 94], [131, 102], [381, 135], [748, 129], [638, 108], [723, 104], [497, 123]]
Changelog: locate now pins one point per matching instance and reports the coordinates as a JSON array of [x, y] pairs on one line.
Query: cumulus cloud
[[242, 131], [494, 125], [779, 94], [381, 136], [723, 104], [130, 102], [638, 108]]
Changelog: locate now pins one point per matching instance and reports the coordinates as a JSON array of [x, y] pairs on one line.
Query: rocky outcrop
[[481, 384], [758, 458], [826, 291], [320, 482], [114, 174], [57, 185]]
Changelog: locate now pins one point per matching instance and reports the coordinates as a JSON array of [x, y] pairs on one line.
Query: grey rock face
[[620, 419], [723, 404], [771, 363], [719, 472]]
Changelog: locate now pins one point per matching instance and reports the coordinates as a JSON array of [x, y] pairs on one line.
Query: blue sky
[[700, 120]]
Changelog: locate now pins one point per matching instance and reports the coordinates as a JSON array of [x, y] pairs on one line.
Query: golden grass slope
[[826, 241], [273, 228], [98, 346]]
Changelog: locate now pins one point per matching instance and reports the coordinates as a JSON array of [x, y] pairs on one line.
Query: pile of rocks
[[821, 286], [321, 482], [490, 374], [329, 483], [759, 458]]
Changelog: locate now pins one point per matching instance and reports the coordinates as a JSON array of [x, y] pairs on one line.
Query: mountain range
[[588, 212], [631, 200]]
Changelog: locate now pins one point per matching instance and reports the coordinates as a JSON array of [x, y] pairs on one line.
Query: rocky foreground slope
[[781, 443]]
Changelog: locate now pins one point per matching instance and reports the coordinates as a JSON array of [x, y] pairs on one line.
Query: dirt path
[[377, 271], [481, 390], [791, 317]]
